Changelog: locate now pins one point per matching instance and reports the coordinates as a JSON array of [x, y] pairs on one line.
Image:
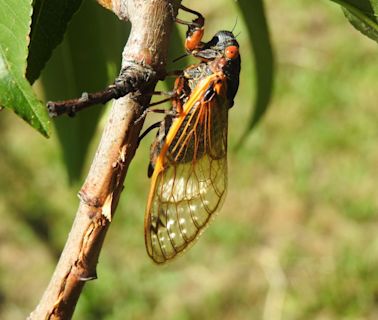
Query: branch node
[[89, 201], [134, 77]]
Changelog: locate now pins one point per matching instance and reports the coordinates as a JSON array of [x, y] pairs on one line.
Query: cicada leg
[[195, 30], [178, 97]]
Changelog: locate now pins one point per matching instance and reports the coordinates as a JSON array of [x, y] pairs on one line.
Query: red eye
[[231, 52]]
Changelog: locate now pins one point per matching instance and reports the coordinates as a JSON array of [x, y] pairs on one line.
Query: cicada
[[188, 166]]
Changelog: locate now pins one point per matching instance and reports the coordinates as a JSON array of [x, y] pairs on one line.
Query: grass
[[296, 238]]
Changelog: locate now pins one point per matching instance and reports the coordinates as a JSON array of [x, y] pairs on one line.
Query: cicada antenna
[[236, 22]]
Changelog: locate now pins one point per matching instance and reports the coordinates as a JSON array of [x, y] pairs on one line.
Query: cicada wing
[[186, 197], [187, 192]]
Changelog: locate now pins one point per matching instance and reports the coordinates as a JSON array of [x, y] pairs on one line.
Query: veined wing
[[190, 177]]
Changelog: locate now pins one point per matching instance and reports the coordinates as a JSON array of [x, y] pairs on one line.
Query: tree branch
[[146, 50]]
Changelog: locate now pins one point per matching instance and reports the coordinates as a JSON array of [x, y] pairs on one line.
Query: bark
[[144, 54]]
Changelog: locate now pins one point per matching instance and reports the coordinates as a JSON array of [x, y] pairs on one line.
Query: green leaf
[[15, 91], [49, 23], [88, 60], [253, 14], [363, 15]]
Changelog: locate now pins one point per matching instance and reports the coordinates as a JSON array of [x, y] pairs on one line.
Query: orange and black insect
[[188, 166]]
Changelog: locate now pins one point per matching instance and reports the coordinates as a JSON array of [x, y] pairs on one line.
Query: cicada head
[[223, 52], [218, 45]]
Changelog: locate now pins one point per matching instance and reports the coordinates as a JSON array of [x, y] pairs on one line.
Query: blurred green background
[[297, 236]]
